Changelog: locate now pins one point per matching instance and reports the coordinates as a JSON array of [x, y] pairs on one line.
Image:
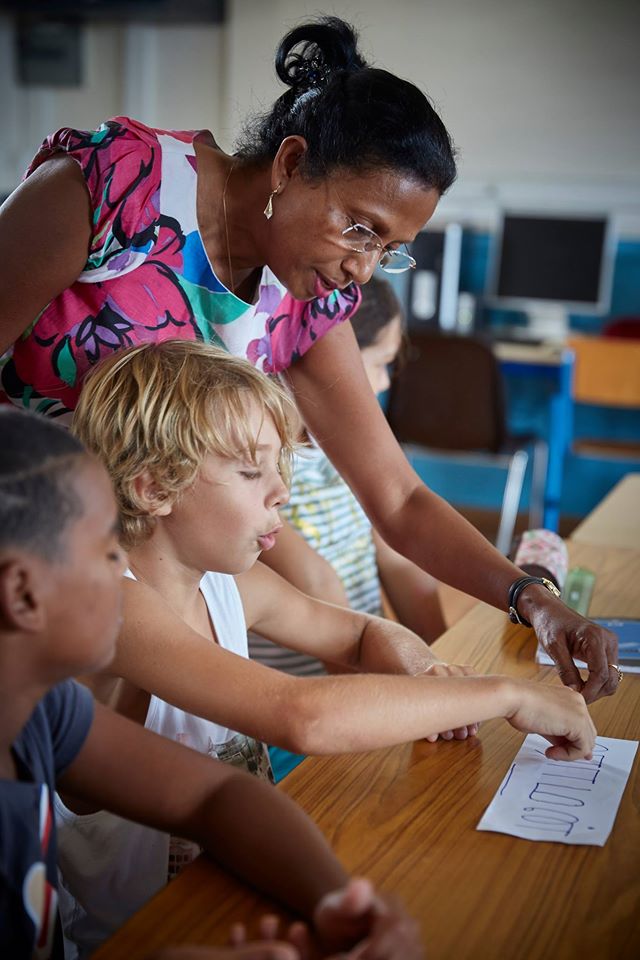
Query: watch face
[[551, 587]]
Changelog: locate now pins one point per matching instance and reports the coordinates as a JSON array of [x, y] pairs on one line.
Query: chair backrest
[[448, 395], [607, 371], [628, 327]]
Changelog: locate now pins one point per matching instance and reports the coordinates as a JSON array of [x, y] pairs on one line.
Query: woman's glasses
[[363, 240]]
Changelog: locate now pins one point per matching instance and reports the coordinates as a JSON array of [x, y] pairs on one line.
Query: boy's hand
[[360, 924], [353, 923], [248, 951], [440, 669], [556, 713]]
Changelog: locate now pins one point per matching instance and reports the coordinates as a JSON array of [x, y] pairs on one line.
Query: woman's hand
[[566, 636], [440, 669], [556, 713]]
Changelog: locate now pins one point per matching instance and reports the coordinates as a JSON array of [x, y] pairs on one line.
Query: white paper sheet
[[559, 800]]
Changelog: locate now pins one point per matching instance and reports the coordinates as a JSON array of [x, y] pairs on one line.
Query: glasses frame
[[380, 249]]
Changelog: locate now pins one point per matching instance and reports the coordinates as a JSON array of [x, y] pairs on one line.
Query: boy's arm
[[158, 652], [340, 635], [244, 824], [412, 593], [302, 566]]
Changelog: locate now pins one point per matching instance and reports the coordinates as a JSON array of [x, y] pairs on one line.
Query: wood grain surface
[[616, 520], [406, 817]]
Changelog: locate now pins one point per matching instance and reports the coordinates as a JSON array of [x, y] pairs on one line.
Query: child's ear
[[152, 498], [21, 602]]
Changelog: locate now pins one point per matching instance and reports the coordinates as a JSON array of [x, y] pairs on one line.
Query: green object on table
[[578, 588]]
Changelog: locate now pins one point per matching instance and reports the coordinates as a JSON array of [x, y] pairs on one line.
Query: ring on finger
[[614, 666]]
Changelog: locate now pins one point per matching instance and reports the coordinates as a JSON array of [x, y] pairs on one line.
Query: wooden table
[[616, 520], [406, 817]]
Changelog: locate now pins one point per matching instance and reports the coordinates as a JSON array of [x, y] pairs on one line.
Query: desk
[[616, 520], [553, 363], [406, 817]]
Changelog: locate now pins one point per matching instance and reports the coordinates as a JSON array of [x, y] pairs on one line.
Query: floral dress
[[148, 277]]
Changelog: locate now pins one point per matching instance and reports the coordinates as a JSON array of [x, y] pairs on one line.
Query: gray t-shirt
[[46, 746]]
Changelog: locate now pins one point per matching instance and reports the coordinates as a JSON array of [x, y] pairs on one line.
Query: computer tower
[[433, 285]]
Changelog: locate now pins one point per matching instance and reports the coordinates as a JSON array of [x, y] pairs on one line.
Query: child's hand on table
[[556, 713], [248, 951], [353, 923]]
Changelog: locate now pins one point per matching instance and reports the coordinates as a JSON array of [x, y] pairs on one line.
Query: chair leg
[[511, 499], [539, 462]]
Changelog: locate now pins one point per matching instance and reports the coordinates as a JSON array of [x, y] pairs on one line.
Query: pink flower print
[[269, 298], [151, 299], [256, 349]]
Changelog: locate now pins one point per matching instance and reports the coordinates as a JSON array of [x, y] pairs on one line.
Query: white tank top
[[110, 867]]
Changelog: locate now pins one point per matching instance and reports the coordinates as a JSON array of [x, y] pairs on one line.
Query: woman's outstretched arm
[[339, 409]]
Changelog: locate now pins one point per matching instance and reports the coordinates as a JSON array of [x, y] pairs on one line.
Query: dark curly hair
[[38, 500], [351, 115]]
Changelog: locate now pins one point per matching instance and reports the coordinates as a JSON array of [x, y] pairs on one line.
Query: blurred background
[[541, 99]]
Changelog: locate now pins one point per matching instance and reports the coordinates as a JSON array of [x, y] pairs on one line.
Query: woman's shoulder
[[118, 136], [121, 162]]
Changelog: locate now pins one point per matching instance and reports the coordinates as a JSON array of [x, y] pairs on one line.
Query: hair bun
[[327, 45]]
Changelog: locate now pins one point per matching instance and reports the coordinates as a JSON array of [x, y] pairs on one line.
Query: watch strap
[[516, 589]]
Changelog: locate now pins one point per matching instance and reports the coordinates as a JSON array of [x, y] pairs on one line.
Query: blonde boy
[[197, 443]]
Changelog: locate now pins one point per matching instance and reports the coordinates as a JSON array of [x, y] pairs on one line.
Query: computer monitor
[[549, 266]]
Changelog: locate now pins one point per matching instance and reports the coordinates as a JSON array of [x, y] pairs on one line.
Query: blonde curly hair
[[162, 407]]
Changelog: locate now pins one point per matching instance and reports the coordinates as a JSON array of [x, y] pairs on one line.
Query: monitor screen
[[553, 259]]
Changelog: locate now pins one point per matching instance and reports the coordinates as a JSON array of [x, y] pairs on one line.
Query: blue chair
[[447, 400]]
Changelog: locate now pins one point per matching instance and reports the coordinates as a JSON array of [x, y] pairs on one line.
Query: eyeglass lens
[[364, 240]]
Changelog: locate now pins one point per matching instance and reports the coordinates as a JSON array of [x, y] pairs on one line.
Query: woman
[[138, 234]]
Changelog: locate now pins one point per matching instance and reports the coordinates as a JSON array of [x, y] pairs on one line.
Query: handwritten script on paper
[[567, 802]]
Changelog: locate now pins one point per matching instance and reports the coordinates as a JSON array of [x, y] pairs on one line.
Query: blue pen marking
[[504, 785]]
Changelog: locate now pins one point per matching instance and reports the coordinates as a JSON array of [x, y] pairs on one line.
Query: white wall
[[166, 76], [541, 96], [174, 77], [28, 114]]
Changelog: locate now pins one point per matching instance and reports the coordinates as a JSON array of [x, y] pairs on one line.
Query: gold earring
[[268, 210]]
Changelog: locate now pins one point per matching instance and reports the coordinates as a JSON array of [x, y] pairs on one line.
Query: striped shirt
[[324, 510]]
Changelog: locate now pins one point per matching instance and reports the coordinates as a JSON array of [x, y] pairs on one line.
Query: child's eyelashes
[[251, 474]]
